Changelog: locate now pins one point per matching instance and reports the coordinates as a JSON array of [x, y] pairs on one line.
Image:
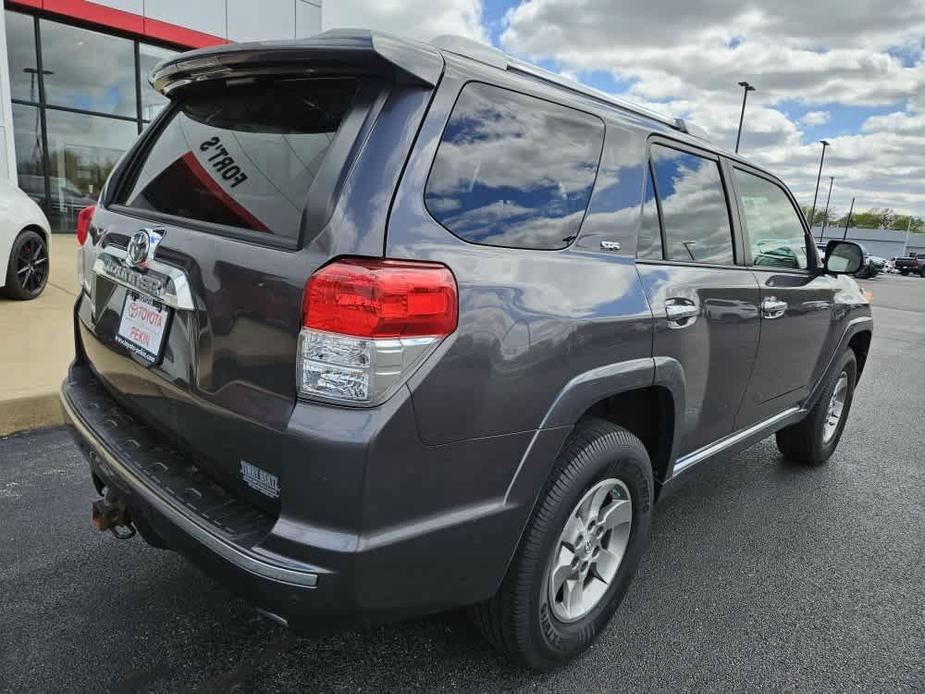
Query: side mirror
[[843, 257]]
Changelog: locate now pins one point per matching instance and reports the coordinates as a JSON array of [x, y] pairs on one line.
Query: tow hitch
[[110, 513]]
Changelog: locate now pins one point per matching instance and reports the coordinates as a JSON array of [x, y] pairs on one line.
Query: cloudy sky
[[849, 71]]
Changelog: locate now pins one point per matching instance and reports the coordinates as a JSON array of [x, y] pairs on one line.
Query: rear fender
[[575, 398]]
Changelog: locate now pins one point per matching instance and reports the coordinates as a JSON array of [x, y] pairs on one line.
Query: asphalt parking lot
[[761, 576]]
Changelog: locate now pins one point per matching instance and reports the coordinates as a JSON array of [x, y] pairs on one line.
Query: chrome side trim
[[719, 446], [243, 560], [167, 284]]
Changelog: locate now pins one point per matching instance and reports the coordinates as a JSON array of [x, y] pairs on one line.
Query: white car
[[24, 232]]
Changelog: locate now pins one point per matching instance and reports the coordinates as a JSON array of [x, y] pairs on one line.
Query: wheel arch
[[860, 344], [645, 396]]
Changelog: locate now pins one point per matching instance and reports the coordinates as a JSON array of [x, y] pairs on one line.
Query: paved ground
[[38, 344], [761, 576]]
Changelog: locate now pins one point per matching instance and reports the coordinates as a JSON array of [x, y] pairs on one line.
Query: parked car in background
[[24, 233], [914, 264], [876, 264], [451, 340], [66, 196]]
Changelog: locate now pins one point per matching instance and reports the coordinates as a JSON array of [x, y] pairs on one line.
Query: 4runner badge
[[260, 480]]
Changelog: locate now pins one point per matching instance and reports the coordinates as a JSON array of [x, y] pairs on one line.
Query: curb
[[30, 412]]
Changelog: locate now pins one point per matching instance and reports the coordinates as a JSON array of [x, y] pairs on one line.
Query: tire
[[922, 272], [27, 272], [808, 441], [521, 619]]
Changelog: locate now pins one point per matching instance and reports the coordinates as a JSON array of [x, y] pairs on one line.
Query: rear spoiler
[[335, 52]]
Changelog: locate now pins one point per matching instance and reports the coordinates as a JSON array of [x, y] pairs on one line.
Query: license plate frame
[[143, 338]]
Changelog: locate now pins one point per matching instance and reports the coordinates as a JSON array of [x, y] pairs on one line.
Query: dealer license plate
[[143, 326]]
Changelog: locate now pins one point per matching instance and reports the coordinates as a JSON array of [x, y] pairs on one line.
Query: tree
[[874, 218], [901, 222], [817, 217]]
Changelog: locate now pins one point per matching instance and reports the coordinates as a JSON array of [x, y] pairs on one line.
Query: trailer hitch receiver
[[110, 513]]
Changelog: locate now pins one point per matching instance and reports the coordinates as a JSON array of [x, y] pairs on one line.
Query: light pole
[[848, 220], [825, 215], [33, 73], [746, 88], [812, 215]]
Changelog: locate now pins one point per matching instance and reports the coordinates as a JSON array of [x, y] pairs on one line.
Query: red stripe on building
[[162, 31], [129, 22], [206, 179]]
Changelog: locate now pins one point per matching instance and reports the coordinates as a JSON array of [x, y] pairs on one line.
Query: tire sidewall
[[559, 641]]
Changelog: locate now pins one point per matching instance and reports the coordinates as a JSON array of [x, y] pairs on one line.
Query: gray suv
[[371, 328]]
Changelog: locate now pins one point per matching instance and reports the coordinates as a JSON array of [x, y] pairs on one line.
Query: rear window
[[513, 170], [243, 156]]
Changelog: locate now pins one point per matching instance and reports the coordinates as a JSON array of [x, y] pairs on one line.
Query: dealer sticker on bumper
[[260, 480]]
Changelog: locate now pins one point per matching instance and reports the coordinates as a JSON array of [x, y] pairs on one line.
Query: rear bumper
[[220, 538], [310, 576]]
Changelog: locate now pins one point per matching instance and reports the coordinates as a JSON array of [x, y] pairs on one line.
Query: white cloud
[[417, 19], [816, 118], [830, 52], [687, 57]]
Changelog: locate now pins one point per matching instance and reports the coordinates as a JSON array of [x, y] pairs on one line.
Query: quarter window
[[775, 234], [695, 215], [512, 170]]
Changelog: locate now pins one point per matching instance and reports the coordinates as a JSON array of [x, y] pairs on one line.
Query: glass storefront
[[80, 98]]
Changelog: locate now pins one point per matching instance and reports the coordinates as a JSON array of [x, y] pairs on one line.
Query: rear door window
[[243, 157], [695, 215], [513, 170]]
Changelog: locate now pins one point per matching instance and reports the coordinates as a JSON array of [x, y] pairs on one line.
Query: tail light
[[84, 217], [83, 224], [369, 323]]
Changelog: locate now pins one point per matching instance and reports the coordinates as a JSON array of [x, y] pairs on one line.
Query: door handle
[[681, 313], [773, 308]]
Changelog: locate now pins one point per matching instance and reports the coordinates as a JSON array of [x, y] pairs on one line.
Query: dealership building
[[73, 81]]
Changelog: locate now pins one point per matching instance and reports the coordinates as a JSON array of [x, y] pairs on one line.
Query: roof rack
[[476, 50]]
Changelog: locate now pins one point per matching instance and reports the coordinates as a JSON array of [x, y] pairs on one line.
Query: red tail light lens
[[83, 224], [382, 298]]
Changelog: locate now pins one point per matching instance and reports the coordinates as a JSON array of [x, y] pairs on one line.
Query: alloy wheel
[[836, 408], [32, 265], [589, 551]]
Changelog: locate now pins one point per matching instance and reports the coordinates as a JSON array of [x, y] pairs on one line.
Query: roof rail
[[476, 50]]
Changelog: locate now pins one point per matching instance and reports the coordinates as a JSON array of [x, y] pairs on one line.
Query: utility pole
[[848, 220], [825, 215], [812, 215], [746, 88], [906, 242]]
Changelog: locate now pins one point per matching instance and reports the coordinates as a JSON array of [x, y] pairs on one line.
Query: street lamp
[[825, 215], [812, 215], [746, 88], [33, 73]]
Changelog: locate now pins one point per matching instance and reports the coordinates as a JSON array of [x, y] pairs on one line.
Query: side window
[[775, 234], [694, 211], [512, 170], [649, 246]]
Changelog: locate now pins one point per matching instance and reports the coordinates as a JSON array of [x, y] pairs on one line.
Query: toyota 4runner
[[370, 328]]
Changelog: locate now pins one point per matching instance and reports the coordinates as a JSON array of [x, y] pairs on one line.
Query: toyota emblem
[[141, 247]]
